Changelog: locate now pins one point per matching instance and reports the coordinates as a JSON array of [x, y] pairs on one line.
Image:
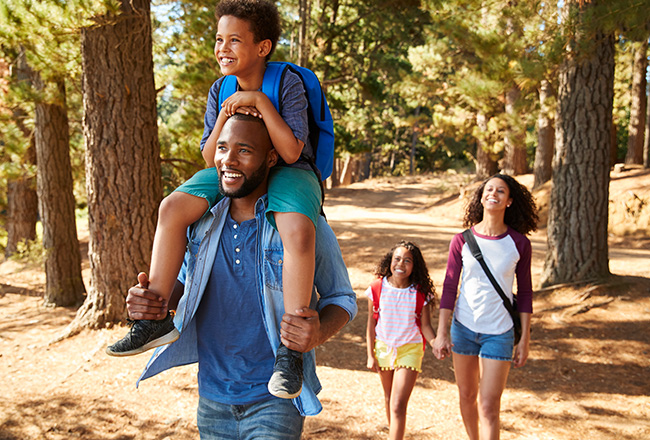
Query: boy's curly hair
[[521, 215], [262, 15], [420, 275]]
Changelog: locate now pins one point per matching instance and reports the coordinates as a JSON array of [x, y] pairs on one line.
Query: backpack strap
[[419, 305], [272, 82], [227, 88], [375, 287]]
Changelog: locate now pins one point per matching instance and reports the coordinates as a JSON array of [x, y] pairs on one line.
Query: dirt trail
[[588, 375]]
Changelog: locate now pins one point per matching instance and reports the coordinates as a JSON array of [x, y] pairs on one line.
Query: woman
[[481, 337]]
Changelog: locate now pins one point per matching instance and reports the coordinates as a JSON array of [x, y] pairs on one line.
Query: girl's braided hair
[[521, 215], [420, 274]]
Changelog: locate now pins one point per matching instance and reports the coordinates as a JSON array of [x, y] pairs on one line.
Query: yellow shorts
[[406, 356]]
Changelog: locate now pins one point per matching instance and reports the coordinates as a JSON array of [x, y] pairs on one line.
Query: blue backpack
[[321, 126]]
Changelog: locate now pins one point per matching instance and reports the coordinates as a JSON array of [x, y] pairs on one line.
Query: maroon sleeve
[[452, 276], [524, 278]]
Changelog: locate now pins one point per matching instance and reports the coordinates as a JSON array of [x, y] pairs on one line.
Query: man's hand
[[301, 332], [142, 303]]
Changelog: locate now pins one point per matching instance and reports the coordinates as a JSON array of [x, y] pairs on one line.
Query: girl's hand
[[372, 364], [441, 346], [521, 353]]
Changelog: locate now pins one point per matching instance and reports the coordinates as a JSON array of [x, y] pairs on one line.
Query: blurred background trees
[[415, 86]]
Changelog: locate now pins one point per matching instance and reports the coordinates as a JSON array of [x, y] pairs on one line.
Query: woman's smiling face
[[496, 195]]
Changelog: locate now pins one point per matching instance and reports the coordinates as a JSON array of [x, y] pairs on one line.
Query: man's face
[[243, 158]]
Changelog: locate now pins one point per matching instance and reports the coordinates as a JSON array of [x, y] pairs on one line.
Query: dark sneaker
[[286, 381], [144, 335]]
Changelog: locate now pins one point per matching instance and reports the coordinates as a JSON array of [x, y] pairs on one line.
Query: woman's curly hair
[[262, 15], [420, 274], [521, 215]]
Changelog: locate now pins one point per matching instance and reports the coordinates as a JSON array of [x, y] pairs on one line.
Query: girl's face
[[496, 195], [401, 265]]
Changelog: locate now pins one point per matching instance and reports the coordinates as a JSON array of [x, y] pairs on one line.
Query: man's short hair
[[262, 15], [249, 118]]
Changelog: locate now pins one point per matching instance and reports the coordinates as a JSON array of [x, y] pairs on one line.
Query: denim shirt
[[331, 281]]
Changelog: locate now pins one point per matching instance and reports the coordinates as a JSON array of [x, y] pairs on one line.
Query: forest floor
[[588, 375]]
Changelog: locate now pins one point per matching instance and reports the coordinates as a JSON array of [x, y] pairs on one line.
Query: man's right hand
[[142, 303]]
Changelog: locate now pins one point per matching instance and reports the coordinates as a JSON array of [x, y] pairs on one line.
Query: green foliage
[[30, 251]]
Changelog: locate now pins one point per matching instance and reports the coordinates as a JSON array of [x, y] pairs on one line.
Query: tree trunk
[[22, 200], [304, 10], [122, 157], [515, 161], [636, 128], [646, 141], [486, 166], [64, 285], [414, 142], [543, 168], [578, 212], [22, 207], [613, 147]]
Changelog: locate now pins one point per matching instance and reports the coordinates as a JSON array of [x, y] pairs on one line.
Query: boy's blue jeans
[[271, 419]]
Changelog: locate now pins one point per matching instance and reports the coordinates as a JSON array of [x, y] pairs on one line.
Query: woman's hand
[[441, 346], [521, 353]]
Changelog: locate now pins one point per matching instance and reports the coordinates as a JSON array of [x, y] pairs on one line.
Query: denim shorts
[[470, 343], [271, 419]]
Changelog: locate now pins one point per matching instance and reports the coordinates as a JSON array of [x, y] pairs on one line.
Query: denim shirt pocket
[[193, 249], [273, 261]]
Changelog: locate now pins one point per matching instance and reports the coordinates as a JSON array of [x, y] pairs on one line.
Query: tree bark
[[543, 167], [486, 165], [578, 212], [304, 10], [646, 141], [64, 285], [22, 200], [636, 127], [122, 158], [515, 161]]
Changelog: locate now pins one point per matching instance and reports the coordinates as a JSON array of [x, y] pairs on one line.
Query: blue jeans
[[270, 419]]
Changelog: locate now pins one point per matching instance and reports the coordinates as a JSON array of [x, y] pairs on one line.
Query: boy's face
[[235, 48]]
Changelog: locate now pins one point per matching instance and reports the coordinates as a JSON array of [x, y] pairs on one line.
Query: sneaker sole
[[163, 340], [283, 394]]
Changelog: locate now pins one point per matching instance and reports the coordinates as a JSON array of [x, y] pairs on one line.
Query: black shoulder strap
[[476, 252]]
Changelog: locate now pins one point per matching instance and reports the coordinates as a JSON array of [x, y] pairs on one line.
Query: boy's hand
[[243, 102]]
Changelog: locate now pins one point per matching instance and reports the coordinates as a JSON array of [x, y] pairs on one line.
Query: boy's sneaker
[[286, 381], [144, 335]]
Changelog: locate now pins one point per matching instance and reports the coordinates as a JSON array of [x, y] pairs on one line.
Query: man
[[231, 315]]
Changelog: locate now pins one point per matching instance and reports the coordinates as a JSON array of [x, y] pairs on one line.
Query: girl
[[399, 310], [500, 213]]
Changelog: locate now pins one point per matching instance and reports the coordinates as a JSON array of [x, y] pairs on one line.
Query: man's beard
[[249, 185]]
